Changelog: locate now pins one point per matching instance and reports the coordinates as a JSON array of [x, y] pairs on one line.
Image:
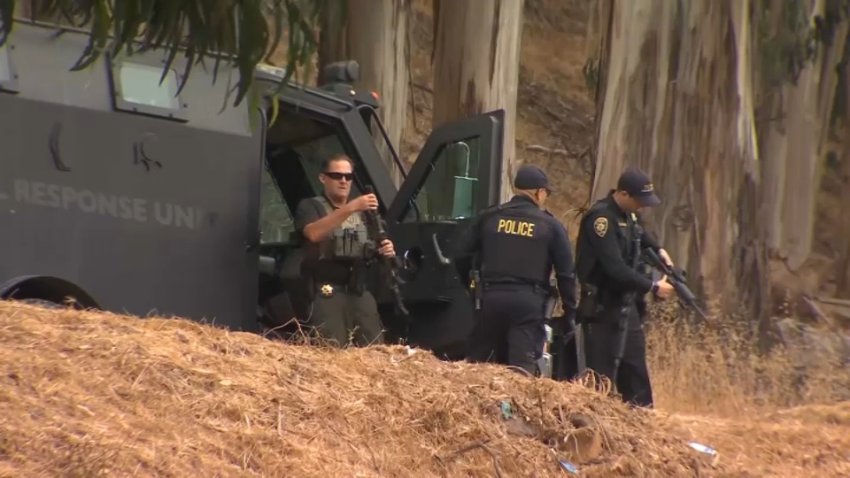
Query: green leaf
[[240, 32]]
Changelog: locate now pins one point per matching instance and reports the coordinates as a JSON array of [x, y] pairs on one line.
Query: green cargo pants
[[344, 318]]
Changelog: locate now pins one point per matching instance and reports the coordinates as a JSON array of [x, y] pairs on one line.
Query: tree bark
[[678, 102], [597, 47], [843, 279], [794, 138], [374, 33], [476, 66], [332, 36]]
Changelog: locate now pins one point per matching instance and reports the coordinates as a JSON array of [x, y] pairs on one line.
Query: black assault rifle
[[377, 231], [676, 279]]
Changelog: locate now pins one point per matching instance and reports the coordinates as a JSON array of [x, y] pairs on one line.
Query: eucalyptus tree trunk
[[476, 66], [793, 125], [677, 100], [843, 275], [374, 33]]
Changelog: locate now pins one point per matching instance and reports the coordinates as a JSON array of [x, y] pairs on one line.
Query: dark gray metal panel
[[369, 158], [133, 233]]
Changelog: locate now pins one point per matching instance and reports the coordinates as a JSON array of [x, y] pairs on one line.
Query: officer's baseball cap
[[639, 186], [530, 176]]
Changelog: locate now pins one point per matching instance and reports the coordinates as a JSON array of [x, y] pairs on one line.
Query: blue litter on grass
[[506, 409], [568, 467], [702, 448]]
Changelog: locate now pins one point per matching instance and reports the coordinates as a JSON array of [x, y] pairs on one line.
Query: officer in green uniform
[[336, 255]]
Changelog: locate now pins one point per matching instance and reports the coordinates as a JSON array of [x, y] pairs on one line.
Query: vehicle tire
[[42, 303]]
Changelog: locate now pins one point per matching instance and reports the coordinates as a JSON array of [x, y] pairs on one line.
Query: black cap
[[638, 185], [530, 176]]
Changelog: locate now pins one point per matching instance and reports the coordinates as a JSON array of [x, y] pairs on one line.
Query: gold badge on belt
[[327, 290]]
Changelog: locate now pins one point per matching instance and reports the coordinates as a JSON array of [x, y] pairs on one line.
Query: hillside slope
[[94, 394]]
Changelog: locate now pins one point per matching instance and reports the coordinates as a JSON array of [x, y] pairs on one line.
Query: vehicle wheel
[[42, 303]]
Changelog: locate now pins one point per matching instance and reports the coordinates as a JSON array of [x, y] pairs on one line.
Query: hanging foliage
[[241, 32]]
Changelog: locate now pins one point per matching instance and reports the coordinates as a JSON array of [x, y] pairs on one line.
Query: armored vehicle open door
[[456, 175]]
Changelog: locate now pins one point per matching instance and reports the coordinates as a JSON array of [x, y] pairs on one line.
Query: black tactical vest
[[515, 241]]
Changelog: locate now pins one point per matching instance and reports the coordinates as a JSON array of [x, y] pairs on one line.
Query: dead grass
[[785, 412], [715, 369], [99, 394], [91, 394]]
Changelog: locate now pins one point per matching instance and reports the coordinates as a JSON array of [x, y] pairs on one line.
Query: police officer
[[335, 257], [516, 245], [612, 287]]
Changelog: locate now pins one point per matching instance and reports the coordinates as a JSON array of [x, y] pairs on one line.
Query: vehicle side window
[[138, 90], [276, 222], [140, 85], [450, 192]]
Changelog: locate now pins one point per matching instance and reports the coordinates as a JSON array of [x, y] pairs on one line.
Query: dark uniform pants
[[344, 317], [601, 342], [509, 327]]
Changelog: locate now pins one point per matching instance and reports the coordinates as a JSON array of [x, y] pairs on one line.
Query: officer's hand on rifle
[[386, 248], [665, 257], [663, 289], [363, 203]]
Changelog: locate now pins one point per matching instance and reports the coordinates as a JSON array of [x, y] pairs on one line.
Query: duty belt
[[509, 281]]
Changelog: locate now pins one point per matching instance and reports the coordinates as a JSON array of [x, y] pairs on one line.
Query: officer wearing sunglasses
[[515, 246], [336, 253]]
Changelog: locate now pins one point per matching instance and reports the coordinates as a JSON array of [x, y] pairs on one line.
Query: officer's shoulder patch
[[600, 226]]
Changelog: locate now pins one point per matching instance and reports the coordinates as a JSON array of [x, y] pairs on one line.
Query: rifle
[[377, 232], [578, 339], [676, 279]]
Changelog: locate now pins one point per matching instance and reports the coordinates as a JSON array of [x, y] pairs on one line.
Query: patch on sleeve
[[600, 226]]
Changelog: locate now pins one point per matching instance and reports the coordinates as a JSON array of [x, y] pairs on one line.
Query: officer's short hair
[[336, 157]]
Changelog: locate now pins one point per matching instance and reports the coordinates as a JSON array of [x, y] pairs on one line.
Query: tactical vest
[[349, 241], [517, 249]]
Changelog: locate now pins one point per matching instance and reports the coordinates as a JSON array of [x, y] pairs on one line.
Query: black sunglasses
[[339, 176]]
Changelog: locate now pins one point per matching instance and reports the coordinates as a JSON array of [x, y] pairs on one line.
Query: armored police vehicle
[[120, 193]]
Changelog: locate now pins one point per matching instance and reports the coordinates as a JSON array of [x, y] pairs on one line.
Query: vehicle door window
[[276, 222], [298, 146], [450, 190], [313, 152]]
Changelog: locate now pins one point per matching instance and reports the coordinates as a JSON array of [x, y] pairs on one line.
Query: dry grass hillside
[[96, 394]]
